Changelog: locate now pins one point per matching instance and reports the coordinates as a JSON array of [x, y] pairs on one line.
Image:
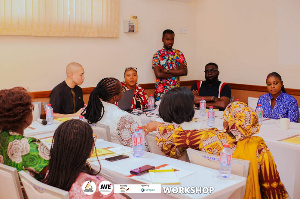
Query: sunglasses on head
[[131, 68]]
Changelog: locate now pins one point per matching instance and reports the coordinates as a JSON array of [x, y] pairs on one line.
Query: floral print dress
[[23, 153], [167, 59]]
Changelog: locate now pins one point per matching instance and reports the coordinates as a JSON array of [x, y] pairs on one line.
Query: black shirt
[[213, 90], [61, 99]]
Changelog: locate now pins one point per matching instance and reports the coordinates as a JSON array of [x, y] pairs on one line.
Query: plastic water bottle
[[259, 112], [81, 118], [151, 102], [211, 117], [143, 134], [225, 162], [202, 107], [49, 114], [137, 144]]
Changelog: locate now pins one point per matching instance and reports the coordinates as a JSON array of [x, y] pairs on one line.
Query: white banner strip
[[137, 188]]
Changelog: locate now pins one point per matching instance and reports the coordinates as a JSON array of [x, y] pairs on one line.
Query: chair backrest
[[252, 102], [36, 189], [238, 167], [151, 139], [37, 110], [102, 131], [9, 183]]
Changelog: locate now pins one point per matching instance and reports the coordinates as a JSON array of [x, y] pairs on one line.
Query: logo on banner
[[88, 187], [105, 187]]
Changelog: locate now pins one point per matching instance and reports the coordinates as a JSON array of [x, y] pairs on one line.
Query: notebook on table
[[126, 101]]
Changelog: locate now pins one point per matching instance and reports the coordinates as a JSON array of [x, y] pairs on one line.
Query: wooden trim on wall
[[88, 90]]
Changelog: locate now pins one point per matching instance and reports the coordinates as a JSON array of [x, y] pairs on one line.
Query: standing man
[[66, 98], [168, 64], [215, 93]]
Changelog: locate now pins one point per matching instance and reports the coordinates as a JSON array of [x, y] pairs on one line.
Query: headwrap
[[242, 121]]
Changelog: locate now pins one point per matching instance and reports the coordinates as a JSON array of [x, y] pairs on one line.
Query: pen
[[163, 170]]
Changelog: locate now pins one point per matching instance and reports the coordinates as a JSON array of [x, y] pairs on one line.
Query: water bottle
[[143, 134], [81, 118], [225, 162], [259, 112], [211, 117], [202, 107], [137, 143], [151, 102], [49, 114]]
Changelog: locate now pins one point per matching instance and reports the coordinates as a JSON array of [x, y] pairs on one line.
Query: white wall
[[249, 39], [38, 63]]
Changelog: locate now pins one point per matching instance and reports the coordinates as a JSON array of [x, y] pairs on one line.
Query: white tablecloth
[[286, 155]]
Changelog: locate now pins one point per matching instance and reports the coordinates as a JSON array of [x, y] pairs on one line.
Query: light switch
[[182, 30]]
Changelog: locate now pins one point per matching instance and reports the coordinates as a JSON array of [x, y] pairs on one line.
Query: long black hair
[[274, 74], [72, 146], [106, 89], [177, 105]]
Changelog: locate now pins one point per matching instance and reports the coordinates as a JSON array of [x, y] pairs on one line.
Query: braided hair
[[106, 89], [72, 146], [274, 74]]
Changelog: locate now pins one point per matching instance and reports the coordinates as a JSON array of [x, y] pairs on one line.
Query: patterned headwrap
[[242, 121]]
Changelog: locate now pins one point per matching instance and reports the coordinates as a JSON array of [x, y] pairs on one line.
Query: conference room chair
[[238, 167], [37, 110], [252, 102], [9, 183], [37, 190], [102, 131], [153, 147]]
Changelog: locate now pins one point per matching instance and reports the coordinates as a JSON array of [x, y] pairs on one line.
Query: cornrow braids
[[71, 147], [106, 89]]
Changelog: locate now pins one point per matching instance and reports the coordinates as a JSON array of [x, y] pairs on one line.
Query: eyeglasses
[[211, 71], [131, 68]]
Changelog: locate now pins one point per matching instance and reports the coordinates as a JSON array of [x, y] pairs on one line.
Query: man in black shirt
[[215, 93], [66, 98]]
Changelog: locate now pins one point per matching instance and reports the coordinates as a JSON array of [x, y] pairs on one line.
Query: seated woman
[[140, 97], [68, 166], [277, 104], [16, 150], [101, 109], [240, 124]]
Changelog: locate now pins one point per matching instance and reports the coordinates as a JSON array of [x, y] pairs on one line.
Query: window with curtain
[[73, 18]]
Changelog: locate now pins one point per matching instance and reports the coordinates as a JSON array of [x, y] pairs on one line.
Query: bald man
[[66, 98]]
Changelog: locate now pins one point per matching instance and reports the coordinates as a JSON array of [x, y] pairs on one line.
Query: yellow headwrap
[[242, 121]]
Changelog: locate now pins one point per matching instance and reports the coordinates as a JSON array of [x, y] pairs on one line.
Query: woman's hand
[[151, 126]]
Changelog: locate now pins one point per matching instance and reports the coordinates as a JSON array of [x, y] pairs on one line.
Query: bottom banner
[[137, 188]]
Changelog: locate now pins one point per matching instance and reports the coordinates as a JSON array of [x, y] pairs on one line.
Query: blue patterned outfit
[[285, 105]]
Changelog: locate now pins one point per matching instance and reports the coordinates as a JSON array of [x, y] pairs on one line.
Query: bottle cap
[[202, 98], [237, 100], [48, 104], [259, 104], [80, 117], [226, 145], [211, 107], [151, 95]]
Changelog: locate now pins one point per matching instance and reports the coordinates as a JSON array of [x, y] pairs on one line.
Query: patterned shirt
[[23, 153], [140, 97], [285, 105], [167, 59]]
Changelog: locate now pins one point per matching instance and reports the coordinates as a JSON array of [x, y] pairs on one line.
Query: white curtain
[[72, 18]]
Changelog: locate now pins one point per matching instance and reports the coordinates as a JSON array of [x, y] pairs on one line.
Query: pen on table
[[163, 170]]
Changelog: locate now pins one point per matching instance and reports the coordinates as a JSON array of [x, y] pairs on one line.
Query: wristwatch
[[168, 71]]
